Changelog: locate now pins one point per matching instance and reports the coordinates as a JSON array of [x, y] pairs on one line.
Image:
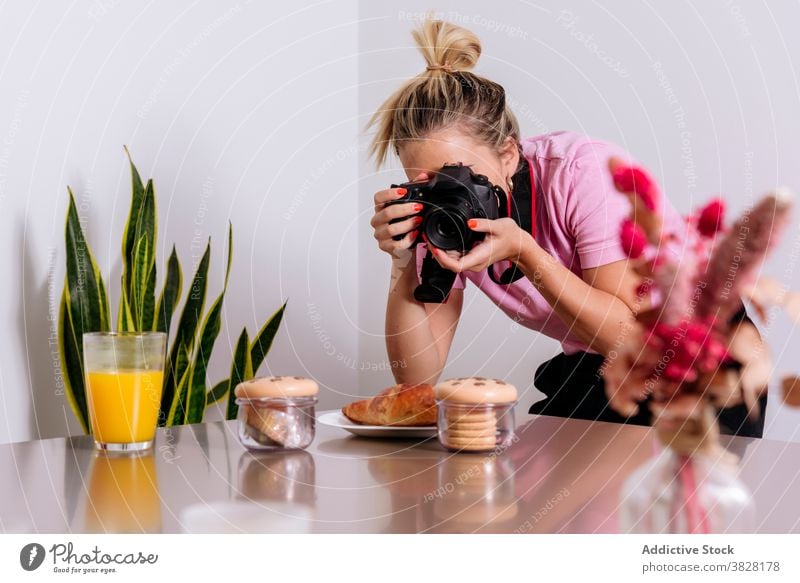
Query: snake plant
[[85, 308]]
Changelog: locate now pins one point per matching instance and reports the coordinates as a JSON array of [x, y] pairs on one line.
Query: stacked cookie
[[475, 413], [471, 429]]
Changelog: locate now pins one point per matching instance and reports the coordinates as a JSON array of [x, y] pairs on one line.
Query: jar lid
[[476, 391], [276, 387]]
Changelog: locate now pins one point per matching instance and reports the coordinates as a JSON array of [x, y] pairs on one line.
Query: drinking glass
[[124, 377]]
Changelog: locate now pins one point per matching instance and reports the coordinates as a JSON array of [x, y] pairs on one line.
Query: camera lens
[[446, 228]]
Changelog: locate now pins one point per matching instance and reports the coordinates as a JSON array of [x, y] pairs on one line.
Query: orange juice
[[124, 405]]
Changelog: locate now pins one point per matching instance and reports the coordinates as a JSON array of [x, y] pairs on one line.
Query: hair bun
[[447, 46]]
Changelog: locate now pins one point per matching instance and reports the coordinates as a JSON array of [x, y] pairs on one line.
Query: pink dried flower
[[738, 256], [710, 218], [632, 239], [688, 348], [682, 340], [634, 180]]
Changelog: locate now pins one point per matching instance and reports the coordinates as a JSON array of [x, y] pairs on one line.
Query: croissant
[[400, 405]]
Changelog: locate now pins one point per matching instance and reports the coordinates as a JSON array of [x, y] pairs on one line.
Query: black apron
[[574, 388]]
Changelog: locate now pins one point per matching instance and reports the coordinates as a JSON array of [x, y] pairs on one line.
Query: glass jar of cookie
[[276, 412], [475, 413]]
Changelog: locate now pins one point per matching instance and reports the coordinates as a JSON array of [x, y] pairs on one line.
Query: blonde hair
[[446, 94]]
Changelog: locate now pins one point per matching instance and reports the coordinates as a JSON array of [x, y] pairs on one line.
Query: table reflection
[[276, 494], [122, 494], [472, 493], [284, 476]]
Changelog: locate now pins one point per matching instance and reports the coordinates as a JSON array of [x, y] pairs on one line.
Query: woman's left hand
[[504, 240]]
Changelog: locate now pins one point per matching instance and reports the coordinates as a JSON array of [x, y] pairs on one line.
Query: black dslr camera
[[450, 199]]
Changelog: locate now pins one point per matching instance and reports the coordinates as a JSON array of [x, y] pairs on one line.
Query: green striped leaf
[[218, 393], [88, 301], [125, 321], [170, 293], [85, 307], [142, 285], [69, 353], [129, 234], [187, 330], [264, 338], [177, 410], [241, 370], [148, 312], [208, 336]]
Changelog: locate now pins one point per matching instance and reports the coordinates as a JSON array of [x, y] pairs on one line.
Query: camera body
[[451, 198]]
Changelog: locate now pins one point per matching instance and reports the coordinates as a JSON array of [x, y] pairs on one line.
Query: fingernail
[[417, 220], [413, 235], [401, 192], [418, 206], [472, 223]]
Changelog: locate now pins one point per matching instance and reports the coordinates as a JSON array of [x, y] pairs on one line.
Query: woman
[[578, 287]]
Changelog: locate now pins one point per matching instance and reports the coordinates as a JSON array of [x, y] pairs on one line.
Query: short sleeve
[[422, 249], [595, 210]]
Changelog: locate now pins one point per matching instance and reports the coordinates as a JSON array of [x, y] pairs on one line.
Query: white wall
[[705, 94], [254, 112], [240, 111]]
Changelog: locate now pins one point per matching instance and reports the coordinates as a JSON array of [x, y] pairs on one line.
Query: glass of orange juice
[[124, 377]]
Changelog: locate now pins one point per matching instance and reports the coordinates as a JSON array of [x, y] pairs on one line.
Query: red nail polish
[[418, 206], [417, 220], [472, 223], [401, 192]]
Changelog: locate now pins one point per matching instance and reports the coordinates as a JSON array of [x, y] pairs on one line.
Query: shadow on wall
[[37, 328]]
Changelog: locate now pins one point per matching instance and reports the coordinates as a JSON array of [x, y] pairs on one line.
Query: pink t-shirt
[[578, 218]]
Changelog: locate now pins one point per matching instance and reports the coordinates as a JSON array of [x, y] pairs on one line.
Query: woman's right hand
[[383, 231]]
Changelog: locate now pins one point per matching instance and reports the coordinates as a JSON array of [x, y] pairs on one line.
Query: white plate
[[336, 419]]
